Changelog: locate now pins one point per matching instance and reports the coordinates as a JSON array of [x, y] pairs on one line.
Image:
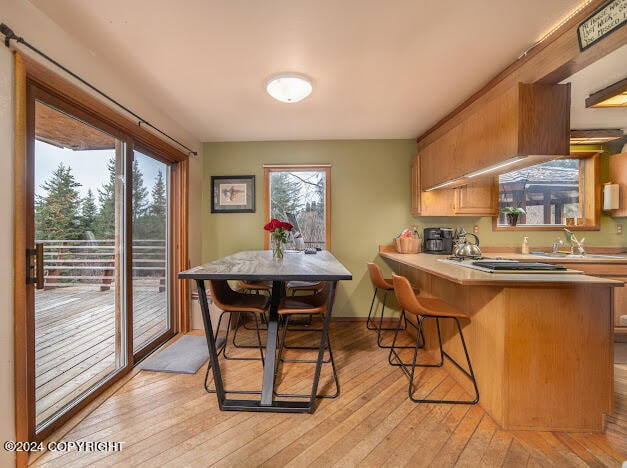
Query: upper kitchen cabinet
[[618, 175], [476, 199], [526, 120]]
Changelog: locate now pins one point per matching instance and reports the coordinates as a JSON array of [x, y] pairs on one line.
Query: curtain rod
[[9, 34]]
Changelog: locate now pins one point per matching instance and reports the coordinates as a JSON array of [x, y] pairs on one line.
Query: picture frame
[[601, 23], [233, 194]]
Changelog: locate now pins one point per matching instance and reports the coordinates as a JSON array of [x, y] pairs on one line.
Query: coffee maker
[[438, 240]]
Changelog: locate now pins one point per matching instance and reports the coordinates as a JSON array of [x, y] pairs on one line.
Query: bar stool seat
[[379, 282], [438, 309], [314, 304]]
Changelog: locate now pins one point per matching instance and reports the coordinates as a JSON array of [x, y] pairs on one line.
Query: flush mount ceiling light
[[613, 96], [289, 87]]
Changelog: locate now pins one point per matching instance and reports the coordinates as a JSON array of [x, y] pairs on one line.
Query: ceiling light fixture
[[289, 87], [614, 95]]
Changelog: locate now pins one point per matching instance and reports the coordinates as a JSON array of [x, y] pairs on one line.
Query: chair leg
[[470, 374], [259, 345], [369, 325], [306, 361], [237, 327]]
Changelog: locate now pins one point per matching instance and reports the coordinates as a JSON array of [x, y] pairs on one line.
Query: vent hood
[[528, 124]]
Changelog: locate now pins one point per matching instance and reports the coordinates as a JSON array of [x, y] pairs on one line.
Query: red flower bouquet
[[278, 233]]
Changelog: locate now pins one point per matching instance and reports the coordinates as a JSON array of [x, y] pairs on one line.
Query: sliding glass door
[[98, 236], [79, 220], [151, 302]]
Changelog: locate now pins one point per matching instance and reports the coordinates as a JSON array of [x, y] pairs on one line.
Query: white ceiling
[[379, 69], [599, 75]]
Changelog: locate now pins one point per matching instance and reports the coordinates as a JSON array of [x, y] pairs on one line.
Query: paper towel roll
[[610, 197]]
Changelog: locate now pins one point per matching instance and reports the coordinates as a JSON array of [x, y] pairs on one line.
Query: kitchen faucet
[[570, 237]]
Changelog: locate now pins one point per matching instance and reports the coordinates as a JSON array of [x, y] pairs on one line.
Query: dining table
[[260, 265]]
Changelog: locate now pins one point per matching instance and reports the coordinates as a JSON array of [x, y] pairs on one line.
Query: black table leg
[[211, 343], [267, 387], [323, 343]]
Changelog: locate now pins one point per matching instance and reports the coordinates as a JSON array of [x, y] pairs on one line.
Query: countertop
[[466, 276]]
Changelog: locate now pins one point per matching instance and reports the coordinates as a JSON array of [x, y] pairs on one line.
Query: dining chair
[[314, 304], [236, 303], [249, 287], [312, 287], [381, 283], [433, 308]]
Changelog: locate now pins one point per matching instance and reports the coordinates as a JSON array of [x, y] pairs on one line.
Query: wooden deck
[[168, 420], [75, 339]]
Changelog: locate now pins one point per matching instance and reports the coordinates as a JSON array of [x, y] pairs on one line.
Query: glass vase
[[277, 249]]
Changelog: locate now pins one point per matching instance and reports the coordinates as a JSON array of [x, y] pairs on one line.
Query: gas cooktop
[[506, 265]]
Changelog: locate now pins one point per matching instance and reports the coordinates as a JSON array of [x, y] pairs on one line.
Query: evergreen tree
[[104, 226], [140, 193], [141, 225], [57, 213], [157, 210], [89, 211]]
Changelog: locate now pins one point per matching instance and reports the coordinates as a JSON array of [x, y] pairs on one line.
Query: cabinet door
[[476, 199], [415, 186], [620, 306], [618, 175]]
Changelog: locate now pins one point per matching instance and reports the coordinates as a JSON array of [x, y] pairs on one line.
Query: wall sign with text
[[609, 18]]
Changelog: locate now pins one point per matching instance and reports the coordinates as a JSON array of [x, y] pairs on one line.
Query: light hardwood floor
[[169, 420]]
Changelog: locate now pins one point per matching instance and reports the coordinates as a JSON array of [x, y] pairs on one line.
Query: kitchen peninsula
[[540, 343]]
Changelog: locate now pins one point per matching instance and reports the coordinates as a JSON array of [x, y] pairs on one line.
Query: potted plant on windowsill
[[512, 213]]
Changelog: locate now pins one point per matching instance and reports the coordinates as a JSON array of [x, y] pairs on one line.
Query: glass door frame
[[30, 75], [36, 93]]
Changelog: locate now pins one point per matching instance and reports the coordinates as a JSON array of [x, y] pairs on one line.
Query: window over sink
[[553, 194]]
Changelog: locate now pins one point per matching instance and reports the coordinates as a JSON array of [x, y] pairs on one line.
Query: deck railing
[[92, 262]]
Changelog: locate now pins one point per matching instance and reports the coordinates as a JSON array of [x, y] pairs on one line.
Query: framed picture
[[233, 194]]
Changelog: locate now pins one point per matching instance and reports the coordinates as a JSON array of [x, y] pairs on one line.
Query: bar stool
[[315, 304], [429, 307], [248, 287], [379, 282], [307, 286], [234, 302], [238, 303]]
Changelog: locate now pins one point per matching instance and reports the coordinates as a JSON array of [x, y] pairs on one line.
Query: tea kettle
[[466, 249]]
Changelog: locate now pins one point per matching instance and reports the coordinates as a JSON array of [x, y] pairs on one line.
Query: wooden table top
[[466, 276], [261, 266]]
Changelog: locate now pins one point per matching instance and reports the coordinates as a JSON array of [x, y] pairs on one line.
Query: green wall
[[370, 201], [605, 237], [370, 204]]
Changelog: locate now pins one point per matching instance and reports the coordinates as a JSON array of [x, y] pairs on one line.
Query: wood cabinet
[[613, 271], [415, 186], [618, 175], [479, 199], [527, 119], [476, 199]]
